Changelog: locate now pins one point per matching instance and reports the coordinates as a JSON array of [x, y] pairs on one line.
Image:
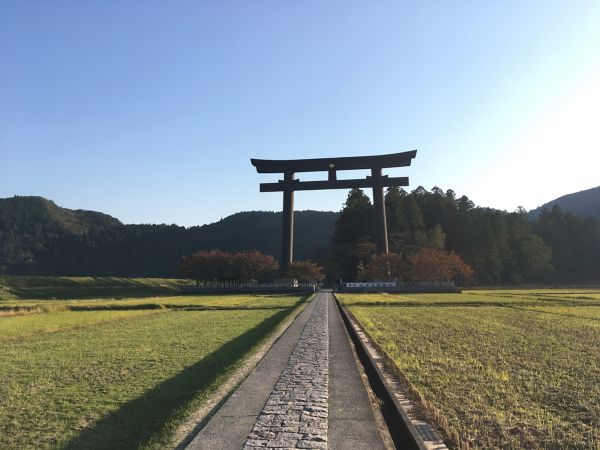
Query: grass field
[[479, 297], [185, 302], [505, 369], [34, 287], [117, 374]]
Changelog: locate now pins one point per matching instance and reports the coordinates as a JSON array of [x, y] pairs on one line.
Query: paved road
[[305, 393]]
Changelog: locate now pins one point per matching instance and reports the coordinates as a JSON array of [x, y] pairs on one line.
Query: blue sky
[[150, 110]]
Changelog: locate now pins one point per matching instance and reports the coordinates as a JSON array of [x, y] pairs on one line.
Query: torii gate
[[289, 184]]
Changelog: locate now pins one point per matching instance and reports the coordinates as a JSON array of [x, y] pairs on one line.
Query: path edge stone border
[[187, 431], [404, 430]]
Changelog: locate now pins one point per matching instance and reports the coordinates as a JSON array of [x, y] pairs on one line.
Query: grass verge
[[511, 376], [119, 379]]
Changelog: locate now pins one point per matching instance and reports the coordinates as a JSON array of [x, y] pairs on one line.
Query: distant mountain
[[29, 226], [583, 203], [38, 237], [40, 211]]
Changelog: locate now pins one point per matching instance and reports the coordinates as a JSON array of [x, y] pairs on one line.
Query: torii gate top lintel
[[325, 164]]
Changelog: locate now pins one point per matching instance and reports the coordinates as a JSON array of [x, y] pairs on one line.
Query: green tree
[[356, 219], [352, 237], [417, 232], [575, 244], [436, 238], [397, 226]]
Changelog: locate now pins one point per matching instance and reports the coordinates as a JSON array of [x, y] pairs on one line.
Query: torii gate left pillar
[[287, 238], [377, 181]]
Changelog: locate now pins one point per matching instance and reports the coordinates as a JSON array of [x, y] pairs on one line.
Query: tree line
[[39, 238], [499, 247], [216, 265]]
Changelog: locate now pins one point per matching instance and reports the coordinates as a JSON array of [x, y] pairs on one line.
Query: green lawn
[[121, 378], [518, 374]]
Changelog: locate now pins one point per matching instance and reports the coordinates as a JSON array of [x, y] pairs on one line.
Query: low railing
[[236, 286], [399, 286], [358, 284]]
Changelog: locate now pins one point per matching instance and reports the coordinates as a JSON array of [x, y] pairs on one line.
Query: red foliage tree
[[431, 264], [253, 265], [388, 266], [206, 265], [305, 271], [211, 265]]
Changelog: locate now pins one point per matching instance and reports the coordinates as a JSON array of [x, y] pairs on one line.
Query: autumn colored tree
[[254, 265], [305, 271], [390, 266], [206, 265], [214, 265], [432, 264]]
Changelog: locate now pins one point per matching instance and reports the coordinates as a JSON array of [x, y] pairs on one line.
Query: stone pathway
[[305, 393], [295, 415]]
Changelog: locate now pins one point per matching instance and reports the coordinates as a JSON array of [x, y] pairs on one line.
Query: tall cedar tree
[[500, 247], [352, 237], [575, 244]]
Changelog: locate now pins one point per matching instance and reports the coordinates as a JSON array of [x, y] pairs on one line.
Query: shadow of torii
[[142, 420]]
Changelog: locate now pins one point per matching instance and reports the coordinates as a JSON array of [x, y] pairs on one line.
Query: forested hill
[[39, 237], [501, 247], [583, 204], [33, 212]]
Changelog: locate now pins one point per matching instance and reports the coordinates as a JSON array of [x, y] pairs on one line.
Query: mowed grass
[[121, 378], [37, 287], [32, 324], [504, 375], [476, 298], [250, 301]]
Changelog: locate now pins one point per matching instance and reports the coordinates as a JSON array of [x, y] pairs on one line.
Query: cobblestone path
[[295, 415]]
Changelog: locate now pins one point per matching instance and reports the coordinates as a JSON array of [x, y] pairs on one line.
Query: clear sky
[[151, 110]]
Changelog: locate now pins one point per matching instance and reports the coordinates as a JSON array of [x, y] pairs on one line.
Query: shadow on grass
[[142, 419], [82, 292]]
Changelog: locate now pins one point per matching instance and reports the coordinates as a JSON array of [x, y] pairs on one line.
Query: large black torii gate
[[377, 181]]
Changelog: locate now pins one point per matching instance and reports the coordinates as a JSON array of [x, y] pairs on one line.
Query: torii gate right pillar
[[381, 236]]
